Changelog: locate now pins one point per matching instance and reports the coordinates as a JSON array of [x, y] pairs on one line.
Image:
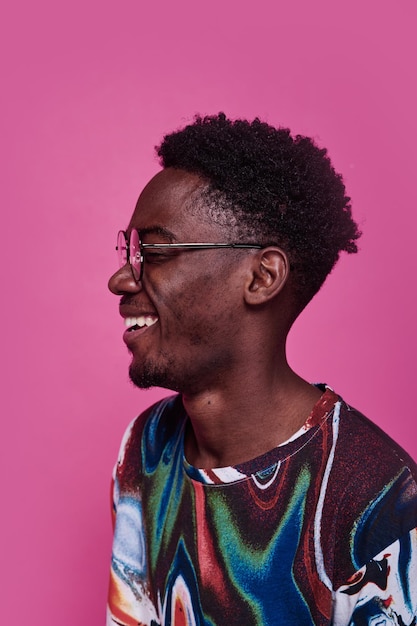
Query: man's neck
[[237, 422]]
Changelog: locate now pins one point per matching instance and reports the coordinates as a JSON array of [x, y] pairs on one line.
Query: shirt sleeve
[[384, 591]]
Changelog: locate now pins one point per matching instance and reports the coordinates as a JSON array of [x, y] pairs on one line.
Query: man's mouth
[[142, 321]]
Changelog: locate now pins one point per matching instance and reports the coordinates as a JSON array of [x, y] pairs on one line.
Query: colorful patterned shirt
[[320, 530]]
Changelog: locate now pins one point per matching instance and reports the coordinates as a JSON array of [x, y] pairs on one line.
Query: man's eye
[[153, 256]]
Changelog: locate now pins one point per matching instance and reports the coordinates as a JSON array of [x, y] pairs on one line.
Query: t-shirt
[[319, 530]]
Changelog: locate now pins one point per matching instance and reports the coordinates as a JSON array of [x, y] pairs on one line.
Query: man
[[251, 496]]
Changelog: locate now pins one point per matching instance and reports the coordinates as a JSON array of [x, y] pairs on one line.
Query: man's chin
[[145, 378]]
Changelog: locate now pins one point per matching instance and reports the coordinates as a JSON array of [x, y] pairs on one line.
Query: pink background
[[88, 90]]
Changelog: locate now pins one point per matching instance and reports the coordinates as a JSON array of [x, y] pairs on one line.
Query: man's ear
[[269, 273]]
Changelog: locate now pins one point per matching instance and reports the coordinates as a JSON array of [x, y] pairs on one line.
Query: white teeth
[[141, 321]]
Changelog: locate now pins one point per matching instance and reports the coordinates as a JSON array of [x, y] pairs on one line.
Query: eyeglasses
[[131, 250]]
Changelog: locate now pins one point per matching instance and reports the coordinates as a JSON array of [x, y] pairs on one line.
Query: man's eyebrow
[[157, 230]]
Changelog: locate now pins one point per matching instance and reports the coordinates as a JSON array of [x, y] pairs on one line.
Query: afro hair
[[282, 190]]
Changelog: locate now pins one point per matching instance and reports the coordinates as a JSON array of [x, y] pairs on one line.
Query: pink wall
[[89, 91]]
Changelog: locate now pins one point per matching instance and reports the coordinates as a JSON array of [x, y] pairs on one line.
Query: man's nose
[[123, 281]]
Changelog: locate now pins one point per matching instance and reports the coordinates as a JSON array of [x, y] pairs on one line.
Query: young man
[[251, 496]]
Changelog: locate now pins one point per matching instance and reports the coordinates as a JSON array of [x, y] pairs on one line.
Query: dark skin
[[221, 322]]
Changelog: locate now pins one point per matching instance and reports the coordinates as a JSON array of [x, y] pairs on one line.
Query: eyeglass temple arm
[[201, 245]]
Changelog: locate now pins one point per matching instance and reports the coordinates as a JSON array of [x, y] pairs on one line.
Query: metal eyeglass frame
[[132, 250]]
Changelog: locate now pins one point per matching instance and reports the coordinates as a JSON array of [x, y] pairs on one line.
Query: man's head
[[271, 188], [197, 316]]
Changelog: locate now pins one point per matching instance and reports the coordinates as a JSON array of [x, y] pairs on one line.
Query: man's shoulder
[[372, 486], [367, 447], [146, 439], [368, 491]]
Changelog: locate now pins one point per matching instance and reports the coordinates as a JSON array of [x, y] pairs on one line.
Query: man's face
[[191, 300]]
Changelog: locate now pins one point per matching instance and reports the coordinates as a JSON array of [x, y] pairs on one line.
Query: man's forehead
[[169, 201], [171, 186]]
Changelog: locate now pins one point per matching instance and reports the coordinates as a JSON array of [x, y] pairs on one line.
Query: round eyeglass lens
[[135, 255], [121, 248]]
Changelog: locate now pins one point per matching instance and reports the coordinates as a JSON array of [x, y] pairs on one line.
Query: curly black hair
[[281, 189]]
